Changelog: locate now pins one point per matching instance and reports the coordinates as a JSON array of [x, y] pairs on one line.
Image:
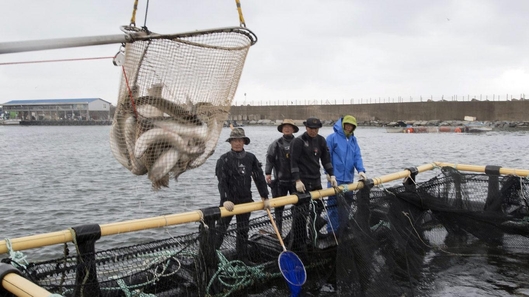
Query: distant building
[[58, 109]]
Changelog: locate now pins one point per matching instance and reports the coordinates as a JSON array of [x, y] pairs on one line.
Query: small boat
[[421, 129], [478, 127], [395, 129], [10, 122], [232, 124], [470, 128], [452, 129]]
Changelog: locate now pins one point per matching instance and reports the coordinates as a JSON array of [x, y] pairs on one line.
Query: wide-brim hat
[[313, 123], [287, 122], [238, 133]]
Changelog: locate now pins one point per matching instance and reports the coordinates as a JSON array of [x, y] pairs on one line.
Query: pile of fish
[[158, 137]]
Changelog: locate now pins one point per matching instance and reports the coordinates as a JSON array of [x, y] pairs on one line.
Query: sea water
[[56, 177]]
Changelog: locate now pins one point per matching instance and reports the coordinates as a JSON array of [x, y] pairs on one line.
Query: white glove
[[333, 181], [362, 176], [300, 187], [266, 203], [268, 178], [228, 205]]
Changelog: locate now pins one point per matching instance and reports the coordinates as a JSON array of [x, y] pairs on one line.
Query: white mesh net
[[175, 94]]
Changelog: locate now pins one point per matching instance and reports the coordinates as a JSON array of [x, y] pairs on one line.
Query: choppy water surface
[[53, 178]]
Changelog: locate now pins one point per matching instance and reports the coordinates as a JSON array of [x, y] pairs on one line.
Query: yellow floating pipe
[[40, 240], [35, 241], [476, 168], [21, 287], [52, 238], [376, 181]]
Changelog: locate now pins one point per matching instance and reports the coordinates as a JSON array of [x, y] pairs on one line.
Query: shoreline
[[496, 125]]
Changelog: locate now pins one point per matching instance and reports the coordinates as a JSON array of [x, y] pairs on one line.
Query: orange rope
[[59, 60], [130, 92]]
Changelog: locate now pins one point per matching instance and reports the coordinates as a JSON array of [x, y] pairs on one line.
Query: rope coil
[[16, 257]]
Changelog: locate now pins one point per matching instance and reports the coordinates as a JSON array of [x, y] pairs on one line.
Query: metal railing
[[377, 100]]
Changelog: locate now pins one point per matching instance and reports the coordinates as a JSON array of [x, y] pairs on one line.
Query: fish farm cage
[[402, 236]]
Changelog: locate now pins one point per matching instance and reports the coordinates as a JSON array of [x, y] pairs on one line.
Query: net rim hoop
[[300, 263], [132, 35]]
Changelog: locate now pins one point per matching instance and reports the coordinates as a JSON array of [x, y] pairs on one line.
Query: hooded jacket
[[345, 152]]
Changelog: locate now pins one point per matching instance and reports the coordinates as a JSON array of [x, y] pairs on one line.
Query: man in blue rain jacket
[[345, 157]]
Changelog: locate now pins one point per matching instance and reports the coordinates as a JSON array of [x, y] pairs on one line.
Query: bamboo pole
[[276, 230], [40, 240], [377, 181], [21, 287], [47, 239], [476, 168]]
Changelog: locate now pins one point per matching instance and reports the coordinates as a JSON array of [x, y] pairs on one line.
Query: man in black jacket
[[235, 171], [278, 163], [306, 152]]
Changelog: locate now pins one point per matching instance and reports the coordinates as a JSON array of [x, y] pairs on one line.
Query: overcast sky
[[324, 50]]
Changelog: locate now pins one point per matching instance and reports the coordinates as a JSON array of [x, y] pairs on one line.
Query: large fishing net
[[175, 94], [408, 240]]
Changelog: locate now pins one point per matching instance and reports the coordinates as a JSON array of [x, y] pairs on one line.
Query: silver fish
[[163, 165], [158, 135], [149, 111], [193, 131], [211, 143], [182, 165], [174, 110], [152, 154]]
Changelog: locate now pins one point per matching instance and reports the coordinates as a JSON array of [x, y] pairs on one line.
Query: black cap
[[313, 123]]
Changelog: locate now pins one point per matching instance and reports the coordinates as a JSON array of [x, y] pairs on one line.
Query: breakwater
[[493, 111]]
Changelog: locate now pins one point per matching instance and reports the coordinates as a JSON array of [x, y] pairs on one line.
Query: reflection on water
[[484, 271], [53, 178]]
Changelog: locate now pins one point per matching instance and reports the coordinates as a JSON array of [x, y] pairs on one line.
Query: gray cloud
[[310, 50]]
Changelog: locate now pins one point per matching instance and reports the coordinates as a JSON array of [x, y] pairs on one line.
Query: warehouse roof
[[52, 101]]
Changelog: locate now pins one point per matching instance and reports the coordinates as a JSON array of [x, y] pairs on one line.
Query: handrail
[[40, 240]]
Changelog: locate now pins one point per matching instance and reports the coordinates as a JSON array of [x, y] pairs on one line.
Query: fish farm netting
[[393, 241], [175, 94]]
